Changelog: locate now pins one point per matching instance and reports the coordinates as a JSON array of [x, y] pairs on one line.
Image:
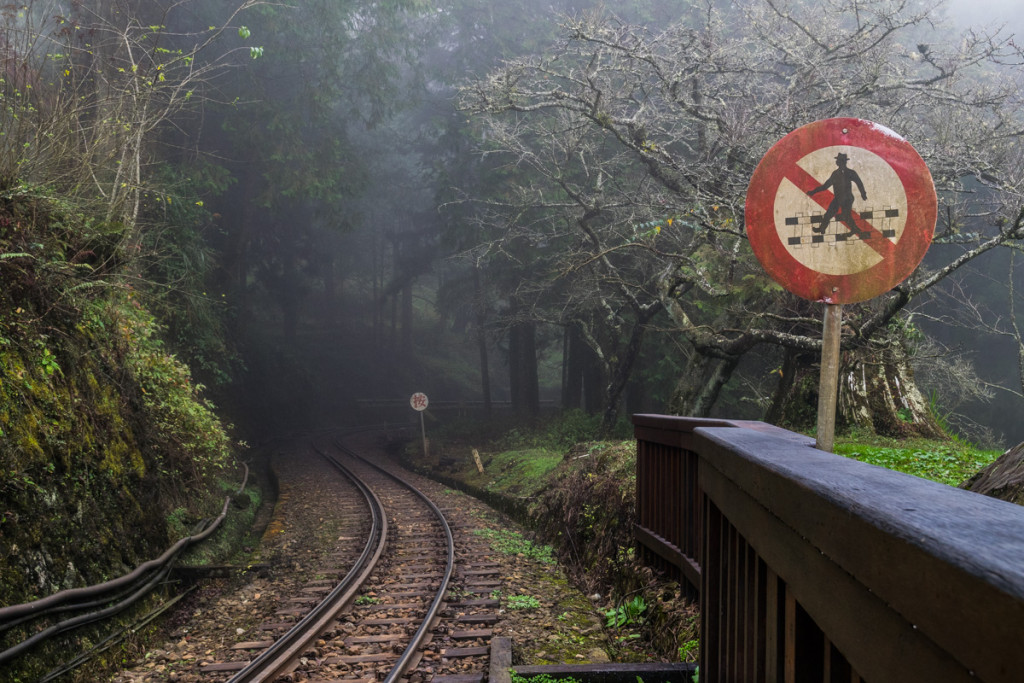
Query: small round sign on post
[[419, 403], [840, 211]]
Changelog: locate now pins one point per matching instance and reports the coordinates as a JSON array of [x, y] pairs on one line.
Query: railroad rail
[[403, 576], [362, 577], [282, 655], [811, 566]]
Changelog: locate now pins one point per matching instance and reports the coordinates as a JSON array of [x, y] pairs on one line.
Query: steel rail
[[276, 659], [421, 633]]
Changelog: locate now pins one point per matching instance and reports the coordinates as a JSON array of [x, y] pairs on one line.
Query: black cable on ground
[[114, 638], [66, 600]]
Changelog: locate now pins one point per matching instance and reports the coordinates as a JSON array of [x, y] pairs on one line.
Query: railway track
[[400, 595]]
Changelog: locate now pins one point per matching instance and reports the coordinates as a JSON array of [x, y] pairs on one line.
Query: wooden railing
[[814, 567]]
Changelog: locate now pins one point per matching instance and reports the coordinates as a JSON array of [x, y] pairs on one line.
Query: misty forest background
[[331, 200]]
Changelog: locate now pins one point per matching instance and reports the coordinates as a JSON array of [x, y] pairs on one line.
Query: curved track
[[385, 607], [281, 657]]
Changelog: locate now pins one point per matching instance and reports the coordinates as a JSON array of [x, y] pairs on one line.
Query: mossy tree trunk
[[701, 383], [877, 392]]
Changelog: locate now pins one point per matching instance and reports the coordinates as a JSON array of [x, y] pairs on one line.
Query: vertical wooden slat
[[698, 526], [772, 638], [751, 617], [726, 606], [826, 674], [675, 482], [790, 639], [710, 603], [740, 582]]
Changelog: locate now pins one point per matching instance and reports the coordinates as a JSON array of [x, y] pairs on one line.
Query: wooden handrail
[[817, 567]]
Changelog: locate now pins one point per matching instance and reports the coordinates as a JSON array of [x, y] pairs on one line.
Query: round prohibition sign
[[841, 210]]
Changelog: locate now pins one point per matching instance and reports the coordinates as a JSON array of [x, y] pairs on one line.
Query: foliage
[[949, 462], [540, 678], [108, 447], [629, 613], [689, 651], [88, 87], [521, 602], [562, 431], [185, 430], [509, 542], [368, 600], [179, 265]]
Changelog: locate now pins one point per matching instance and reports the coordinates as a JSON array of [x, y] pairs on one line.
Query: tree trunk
[[522, 363], [594, 382], [406, 338], [393, 341], [288, 293], [1003, 479], [698, 389], [481, 340], [623, 371], [574, 363], [877, 392]]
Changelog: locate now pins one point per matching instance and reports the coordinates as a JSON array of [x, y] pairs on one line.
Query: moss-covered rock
[[102, 431]]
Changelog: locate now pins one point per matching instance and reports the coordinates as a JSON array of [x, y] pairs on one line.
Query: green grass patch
[[509, 542], [520, 473], [368, 600], [947, 462], [521, 602], [540, 678]]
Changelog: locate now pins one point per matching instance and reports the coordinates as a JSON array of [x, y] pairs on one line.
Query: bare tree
[[640, 145], [89, 84]]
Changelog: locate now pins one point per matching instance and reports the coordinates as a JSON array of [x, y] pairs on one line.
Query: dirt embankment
[[582, 502]]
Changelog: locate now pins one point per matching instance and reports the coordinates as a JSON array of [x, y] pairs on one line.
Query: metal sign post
[[840, 211], [419, 403]]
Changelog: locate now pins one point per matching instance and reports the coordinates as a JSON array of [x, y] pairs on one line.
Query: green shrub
[[627, 614]]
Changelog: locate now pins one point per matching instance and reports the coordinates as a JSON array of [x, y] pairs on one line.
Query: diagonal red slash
[[806, 182]]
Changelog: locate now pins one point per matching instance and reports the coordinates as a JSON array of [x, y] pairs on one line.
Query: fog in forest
[[397, 285], [539, 205]]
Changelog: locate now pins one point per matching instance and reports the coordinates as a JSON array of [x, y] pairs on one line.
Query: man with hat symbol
[[841, 181]]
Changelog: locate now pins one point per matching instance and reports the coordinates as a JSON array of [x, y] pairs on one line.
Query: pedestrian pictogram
[[841, 182], [841, 210]]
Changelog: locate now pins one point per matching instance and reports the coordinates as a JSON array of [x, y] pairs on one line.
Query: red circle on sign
[[877, 247]]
